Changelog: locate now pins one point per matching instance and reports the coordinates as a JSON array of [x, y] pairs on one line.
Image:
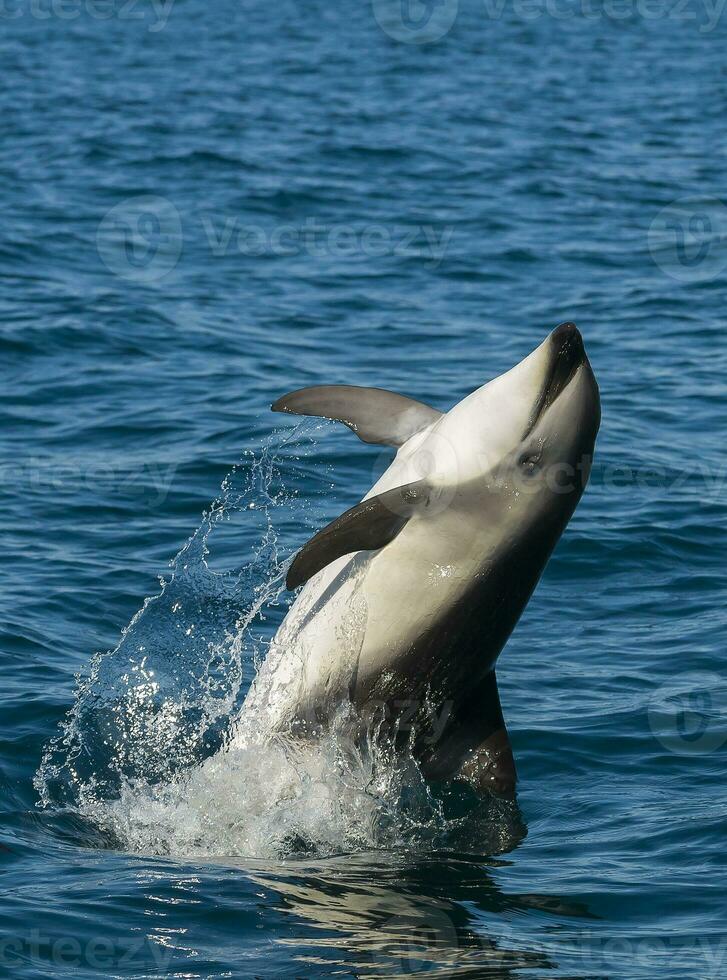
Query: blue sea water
[[206, 205]]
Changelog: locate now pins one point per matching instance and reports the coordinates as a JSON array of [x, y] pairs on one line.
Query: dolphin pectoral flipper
[[368, 526], [491, 765], [374, 414]]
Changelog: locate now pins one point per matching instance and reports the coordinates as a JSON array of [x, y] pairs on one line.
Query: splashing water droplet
[[156, 754]]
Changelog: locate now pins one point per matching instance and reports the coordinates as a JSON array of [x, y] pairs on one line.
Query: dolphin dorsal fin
[[375, 415], [368, 526]]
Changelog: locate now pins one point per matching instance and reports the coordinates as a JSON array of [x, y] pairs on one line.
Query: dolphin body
[[410, 596]]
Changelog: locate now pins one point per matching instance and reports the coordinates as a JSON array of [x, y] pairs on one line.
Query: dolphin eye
[[529, 462]]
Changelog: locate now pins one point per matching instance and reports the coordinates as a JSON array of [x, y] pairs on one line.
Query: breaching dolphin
[[410, 596]]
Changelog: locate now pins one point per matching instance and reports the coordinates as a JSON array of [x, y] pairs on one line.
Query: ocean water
[[206, 205]]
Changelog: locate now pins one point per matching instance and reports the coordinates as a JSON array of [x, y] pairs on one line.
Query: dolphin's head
[[526, 438]]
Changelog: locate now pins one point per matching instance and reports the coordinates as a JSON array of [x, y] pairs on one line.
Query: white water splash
[[156, 753], [266, 799]]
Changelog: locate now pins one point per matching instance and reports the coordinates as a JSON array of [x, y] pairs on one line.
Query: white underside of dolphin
[[408, 598]]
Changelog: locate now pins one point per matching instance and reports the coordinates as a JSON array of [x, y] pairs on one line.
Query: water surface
[[206, 209]]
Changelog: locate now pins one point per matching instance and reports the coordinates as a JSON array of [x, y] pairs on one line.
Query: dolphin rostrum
[[409, 597]]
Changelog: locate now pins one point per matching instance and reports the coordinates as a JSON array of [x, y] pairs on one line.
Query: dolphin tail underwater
[[408, 598]]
